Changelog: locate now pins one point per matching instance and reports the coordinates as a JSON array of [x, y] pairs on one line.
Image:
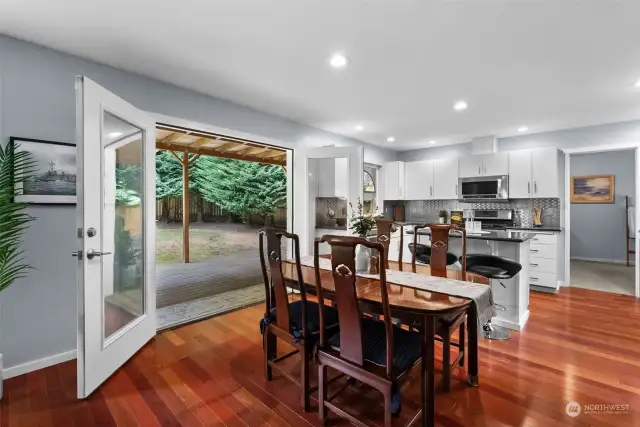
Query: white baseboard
[[35, 365], [512, 325], [606, 261]]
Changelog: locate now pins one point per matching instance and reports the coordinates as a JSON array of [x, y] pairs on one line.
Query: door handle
[[431, 190], [535, 187], [528, 187], [456, 189], [478, 169], [91, 253]]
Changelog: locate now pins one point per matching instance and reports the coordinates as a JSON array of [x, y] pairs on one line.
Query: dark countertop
[[543, 228], [501, 236]]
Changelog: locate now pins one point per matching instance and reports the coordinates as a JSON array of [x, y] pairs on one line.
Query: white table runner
[[480, 294]]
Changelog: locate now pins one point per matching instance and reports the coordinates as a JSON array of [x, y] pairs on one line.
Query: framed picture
[[54, 180], [592, 189]]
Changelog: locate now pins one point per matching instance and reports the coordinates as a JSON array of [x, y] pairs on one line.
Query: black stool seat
[[423, 254], [492, 267]]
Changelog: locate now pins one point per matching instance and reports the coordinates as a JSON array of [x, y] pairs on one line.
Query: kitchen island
[[514, 295]]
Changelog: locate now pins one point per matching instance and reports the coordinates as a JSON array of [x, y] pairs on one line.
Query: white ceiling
[[547, 64]]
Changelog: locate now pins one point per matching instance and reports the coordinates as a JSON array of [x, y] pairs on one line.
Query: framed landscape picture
[[54, 180], [592, 189]]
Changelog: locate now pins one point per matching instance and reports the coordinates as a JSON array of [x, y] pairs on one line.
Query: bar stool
[[493, 268], [423, 254]]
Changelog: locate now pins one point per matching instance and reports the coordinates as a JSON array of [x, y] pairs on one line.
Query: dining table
[[421, 309]]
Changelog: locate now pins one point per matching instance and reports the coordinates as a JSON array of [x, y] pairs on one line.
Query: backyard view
[[230, 200]]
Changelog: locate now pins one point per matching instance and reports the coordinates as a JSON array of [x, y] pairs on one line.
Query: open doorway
[[207, 231], [602, 220]]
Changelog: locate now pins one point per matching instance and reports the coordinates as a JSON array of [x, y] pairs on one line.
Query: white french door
[[324, 173], [116, 232]]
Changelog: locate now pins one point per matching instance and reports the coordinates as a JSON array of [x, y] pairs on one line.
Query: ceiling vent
[[484, 145]]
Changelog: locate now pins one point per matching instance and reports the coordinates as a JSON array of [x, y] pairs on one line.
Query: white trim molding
[[602, 260], [629, 145], [35, 365]]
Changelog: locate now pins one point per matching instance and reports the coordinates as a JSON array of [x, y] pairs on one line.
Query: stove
[[492, 219]]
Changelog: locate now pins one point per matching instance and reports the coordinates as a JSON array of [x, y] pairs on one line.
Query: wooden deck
[[182, 282], [579, 346]]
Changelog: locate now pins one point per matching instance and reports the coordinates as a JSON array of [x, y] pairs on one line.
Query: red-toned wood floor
[[581, 346]]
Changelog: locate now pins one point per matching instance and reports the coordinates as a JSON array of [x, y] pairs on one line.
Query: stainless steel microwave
[[484, 189]]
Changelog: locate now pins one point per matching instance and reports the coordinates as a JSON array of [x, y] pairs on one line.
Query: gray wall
[[598, 230], [37, 100], [569, 138]]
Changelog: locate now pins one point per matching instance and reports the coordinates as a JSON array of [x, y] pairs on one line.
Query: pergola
[[193, 144]]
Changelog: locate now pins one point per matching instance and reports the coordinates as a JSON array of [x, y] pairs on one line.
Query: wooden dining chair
[[377, 353], [384, 227], [438, 266], [294, 321]]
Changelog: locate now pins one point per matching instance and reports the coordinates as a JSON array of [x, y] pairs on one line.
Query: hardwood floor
[[580, 345]]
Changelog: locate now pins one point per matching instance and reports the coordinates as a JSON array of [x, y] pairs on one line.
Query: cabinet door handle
[[528, 187], [533, 250], [533, 278], [431, 190], [535, 187], [478, 169], [533, 264], [456, 189]]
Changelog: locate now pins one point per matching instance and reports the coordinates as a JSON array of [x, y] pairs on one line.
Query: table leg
[[428, 371], [472, 359]]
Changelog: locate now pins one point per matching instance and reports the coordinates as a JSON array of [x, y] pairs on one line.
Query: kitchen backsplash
[[338, 206], [427, 210]]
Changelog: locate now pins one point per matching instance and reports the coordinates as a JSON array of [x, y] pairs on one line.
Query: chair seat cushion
[[489, 272], [408, 345], [313, 317]]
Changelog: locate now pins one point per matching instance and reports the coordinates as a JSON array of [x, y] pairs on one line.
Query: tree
[[241, 187], [169, 180]]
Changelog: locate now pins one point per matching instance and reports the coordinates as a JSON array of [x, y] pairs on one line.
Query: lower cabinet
[[544, 260]]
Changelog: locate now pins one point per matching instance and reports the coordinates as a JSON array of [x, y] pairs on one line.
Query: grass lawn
[[205, 240]]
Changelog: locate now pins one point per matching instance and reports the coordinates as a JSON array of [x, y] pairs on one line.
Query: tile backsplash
[[338, 206], [427, 210]]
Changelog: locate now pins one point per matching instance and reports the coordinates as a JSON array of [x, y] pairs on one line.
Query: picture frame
[[592, 189], [54, 180]]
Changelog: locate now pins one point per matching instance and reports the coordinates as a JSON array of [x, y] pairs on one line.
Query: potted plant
[[15, 167], [443, 216], [361, 224]]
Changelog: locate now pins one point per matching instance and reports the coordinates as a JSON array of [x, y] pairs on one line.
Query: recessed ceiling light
[[338, 60], [358, 128], [460, 106], [391, 139], [432, 142], [523, 129], [114, 134], [638, 83]]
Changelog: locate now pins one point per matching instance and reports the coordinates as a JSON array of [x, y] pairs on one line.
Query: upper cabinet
[[332, 177], [418, 180], [546, 173], [393, 180], [534, 173], [445, 179], [470, 166], [484, 165]]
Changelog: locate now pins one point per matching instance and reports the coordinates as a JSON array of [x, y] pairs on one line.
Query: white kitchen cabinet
[[520, 179], [332, 177], [534, 173], [470, 166], [445, 179], [341, 177], [326, 177], [418, 180], [484, 165], [394, 180], [545, 172], [495, 164]]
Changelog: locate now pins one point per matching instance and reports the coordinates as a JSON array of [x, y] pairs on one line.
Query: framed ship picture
[[54, 180], [592, 189]]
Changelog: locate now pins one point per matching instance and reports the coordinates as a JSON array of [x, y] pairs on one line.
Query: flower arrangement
[[359, 222]]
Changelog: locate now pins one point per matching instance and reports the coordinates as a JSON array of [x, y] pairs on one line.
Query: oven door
[[492, 188]]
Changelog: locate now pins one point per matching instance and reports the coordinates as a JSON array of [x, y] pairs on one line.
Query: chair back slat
[[276, 291], [343, 270], [440, 248], [384, 227]]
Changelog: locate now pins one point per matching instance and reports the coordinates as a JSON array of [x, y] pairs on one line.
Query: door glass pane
[[122, 224]]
